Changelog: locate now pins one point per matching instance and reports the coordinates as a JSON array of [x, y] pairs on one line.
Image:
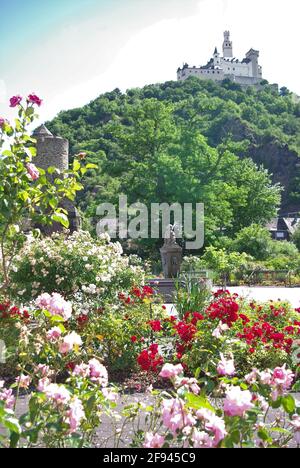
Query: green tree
[[254, 240]]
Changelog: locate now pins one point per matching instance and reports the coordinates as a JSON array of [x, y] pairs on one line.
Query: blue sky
[[70, 51]]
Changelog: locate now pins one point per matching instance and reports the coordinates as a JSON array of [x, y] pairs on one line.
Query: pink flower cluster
[[55, 304], [33, 172], [6, 395], [153, 440], [94, 370], [32, 99], [54, 334], [70, 342], [226, 367], [212, 424], [169, 371], [23, 381], [174, 415], [237, 402], [75, 415], [280, 379]]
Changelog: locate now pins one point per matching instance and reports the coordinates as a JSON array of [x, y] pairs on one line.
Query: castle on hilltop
[[246, 72]]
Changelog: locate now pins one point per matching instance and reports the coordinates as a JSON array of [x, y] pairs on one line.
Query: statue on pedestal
[[171, 253]]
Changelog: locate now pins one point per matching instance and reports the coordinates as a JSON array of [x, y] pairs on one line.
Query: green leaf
[[12, 424], [57, 319], [263, 434], [76, 165], [289, 404], [198, 402], [60, 218]]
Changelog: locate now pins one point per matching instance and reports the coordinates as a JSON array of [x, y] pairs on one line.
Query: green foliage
[[27, 194], [183, 142], [296, 238], [254, 240]]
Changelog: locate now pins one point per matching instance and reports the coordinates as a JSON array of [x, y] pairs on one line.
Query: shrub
[[73, 264]]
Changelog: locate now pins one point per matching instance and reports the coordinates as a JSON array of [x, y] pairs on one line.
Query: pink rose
[[201, 439], [295, 423], [75, 415], [43, 384], [282, 377], [54, 334], [175, 416], [169, 371], [2, 122], [34, 99], [69, 342], [6, 395], [237, 402], [226, 367], [55, 304], [58, 306], [98, 373], [81, 370], [43, 301], [15, 101], [43, 370], [153, 440], [33, 171], [23, 381], [57, 393]]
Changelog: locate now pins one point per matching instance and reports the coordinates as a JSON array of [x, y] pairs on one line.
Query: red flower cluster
[[225, 309], [155, 325], [268, 335], [82, 320], [136, 293], [149, 359], [9, 311], [142, 293]]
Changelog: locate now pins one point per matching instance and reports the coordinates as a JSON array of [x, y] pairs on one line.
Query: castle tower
[[53, 151], [253, 55], [217, 61], [227, 45]]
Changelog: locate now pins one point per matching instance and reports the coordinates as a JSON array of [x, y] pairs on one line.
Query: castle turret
[[53, 151], [227, 45], [217, 61], [253, 55]]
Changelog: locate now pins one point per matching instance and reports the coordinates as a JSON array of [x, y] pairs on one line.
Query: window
[[280, 235]]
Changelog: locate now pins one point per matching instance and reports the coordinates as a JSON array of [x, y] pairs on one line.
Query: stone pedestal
[[171, 257]]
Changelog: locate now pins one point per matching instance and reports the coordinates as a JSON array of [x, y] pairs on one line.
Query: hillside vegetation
[[192, 141]]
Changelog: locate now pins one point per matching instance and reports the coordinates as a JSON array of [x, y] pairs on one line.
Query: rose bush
[[77, 264], [28, 196], [257, 335], [68, 415]]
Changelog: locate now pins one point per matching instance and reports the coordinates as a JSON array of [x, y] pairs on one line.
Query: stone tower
[[253, 55], [53, 151], [227, 45]]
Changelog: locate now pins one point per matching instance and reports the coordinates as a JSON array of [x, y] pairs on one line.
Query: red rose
[[155, 325], [133, 339]]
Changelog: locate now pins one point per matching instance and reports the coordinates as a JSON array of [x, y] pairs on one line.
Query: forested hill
[[181, 140]]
